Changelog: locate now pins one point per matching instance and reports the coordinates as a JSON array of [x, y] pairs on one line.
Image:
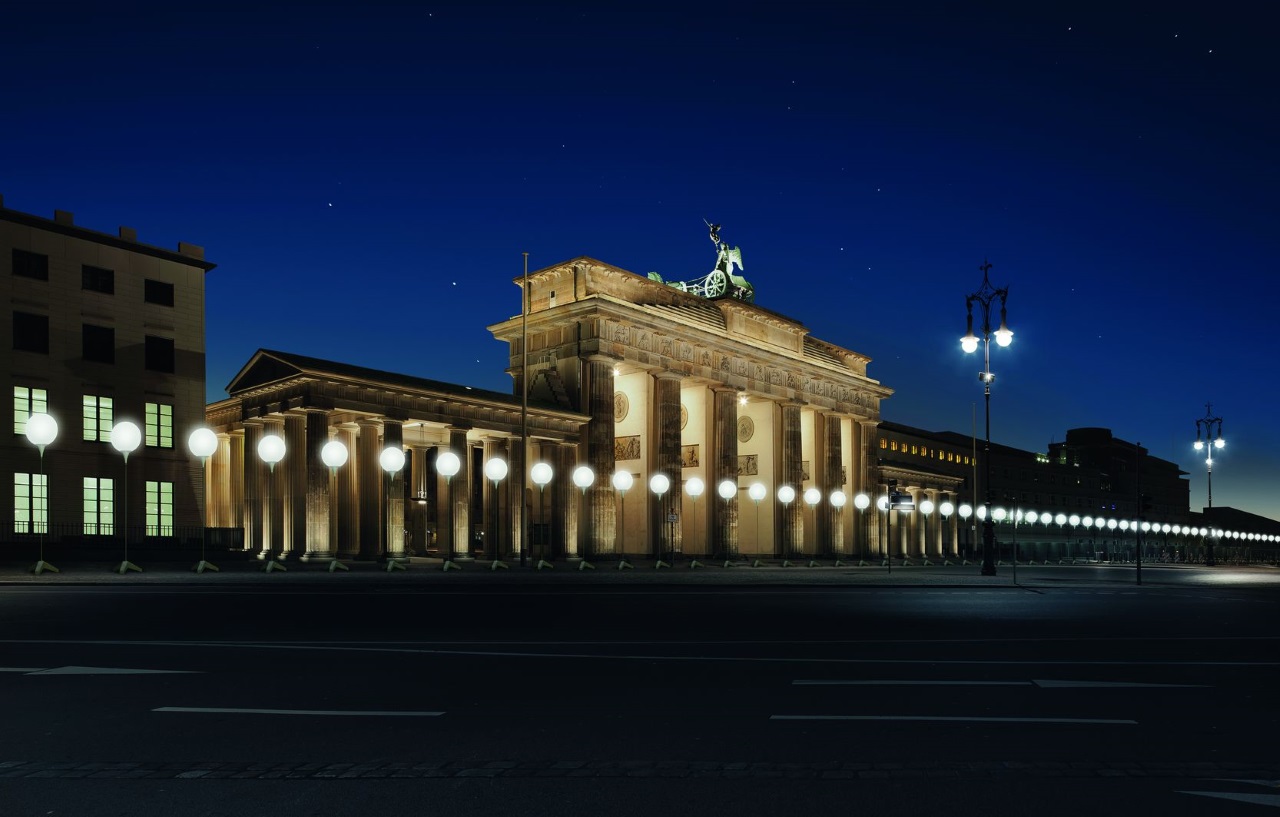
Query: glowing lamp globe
[[659, 484], [126, 436], [757, 491], [495, 470], [41, 430], [882, 503], [727, 489], [837, 499], [541, 474], [694, 487], [202, 443], [1111, 524], [1031, 517], [786, 494], [812, 497], [946, 509], [584, 477], [334, 454], [998, 514], [391, 459], [622, 481], [926, 507], [862, 502], [966, 510], [448, 464]]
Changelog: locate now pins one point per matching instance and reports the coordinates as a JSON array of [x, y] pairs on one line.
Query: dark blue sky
[[367, 175]]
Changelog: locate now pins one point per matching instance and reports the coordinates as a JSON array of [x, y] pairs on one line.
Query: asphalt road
[[642, 698]]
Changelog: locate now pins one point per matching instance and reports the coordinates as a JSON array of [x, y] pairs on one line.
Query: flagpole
[[524, 409]]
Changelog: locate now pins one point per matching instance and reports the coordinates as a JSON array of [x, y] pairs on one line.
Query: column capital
[[603, 358], [666, 374]]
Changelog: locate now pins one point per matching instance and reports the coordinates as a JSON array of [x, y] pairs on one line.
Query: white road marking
[[111, 671], [1257, 799], [1043, 684], [945, 718], [335, 712]]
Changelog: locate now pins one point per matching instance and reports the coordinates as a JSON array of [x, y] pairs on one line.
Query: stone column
[[600, 498], [791, 527], [318, 488], [231, 509], [393, 494], [369, 488], [346, 505], [724, 465], [565, 504], [254, 483], [832, 517], [293, 481], [665, 425], [459, 495]]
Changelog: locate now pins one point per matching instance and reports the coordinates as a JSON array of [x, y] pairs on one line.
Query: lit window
[[159, 508], [97, 418], [25, 403], [159, 425], [884, 443], [30, 503], [99, 495], [893, 445]]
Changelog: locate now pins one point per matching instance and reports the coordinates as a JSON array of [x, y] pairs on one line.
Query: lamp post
[[541, 474], [985, 297], [584, 478], [694, 487], [883, 504], [448, 465], [837, 500], [202, 443], [786, 495], [41, 430], [334, 455], [271, 449], [1032, 517], [1212, 429], [728, 491], [812, 496], [660, 483], [862, 502], [392, 460], [946, 509], [926, 508], [622, 482], [125, 438], [966, 511], [756, 492], [495, 470]]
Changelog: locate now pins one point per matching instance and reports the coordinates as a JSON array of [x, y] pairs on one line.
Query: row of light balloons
[[42, 430]]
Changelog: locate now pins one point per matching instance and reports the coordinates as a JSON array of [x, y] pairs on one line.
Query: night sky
[[367, 175]]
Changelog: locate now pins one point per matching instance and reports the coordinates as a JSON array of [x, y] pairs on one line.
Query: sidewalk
[[419, 571]]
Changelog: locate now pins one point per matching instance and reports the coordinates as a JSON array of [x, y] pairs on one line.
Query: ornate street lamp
[[125, 438], [202, 443], [41, 430], [1212, 429], [984, 297], [622, 482]]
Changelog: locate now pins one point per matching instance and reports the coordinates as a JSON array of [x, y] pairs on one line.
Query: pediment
[[262, 368]]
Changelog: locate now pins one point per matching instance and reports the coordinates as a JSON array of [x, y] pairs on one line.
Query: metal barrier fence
[[71, 543]]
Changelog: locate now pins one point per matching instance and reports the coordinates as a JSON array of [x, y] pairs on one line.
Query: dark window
[[159, 354], [98, 279], [30, 333], [98, 343], [31, 265], [158, 292]]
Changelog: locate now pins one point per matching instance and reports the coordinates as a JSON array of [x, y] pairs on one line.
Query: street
[[542, 698]]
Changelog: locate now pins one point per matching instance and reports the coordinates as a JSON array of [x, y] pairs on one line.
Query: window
[[157, 292], [25, 403], [30, 503], [893, 445], [159, 425], [97, 418], [159, 354], [884, 443], [98, 279], [30, 333], [31, 265], [99, 496], [159, 508], [98, 343]]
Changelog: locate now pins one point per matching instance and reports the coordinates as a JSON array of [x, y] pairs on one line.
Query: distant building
[[98, 329]]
